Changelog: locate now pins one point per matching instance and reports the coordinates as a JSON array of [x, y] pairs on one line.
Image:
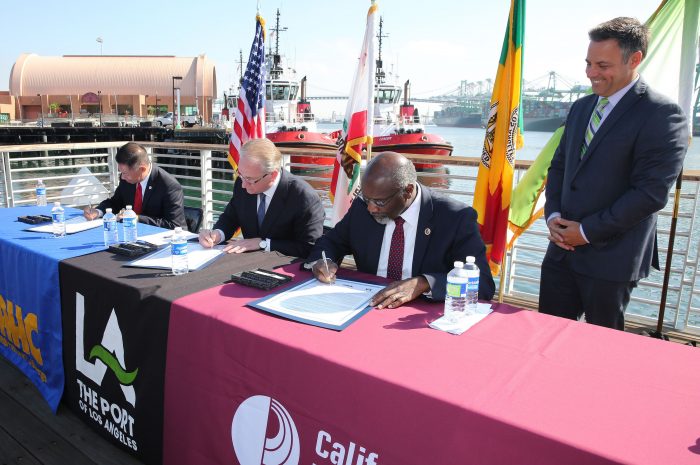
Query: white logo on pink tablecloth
[[249, 433]]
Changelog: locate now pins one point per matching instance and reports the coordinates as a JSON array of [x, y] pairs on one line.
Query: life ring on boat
[[424, 138], [301, 136]]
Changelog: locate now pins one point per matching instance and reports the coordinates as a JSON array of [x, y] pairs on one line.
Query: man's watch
[[263, 244]]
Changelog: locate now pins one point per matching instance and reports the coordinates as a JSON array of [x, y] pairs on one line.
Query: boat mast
[[379, 74], [240, 65], [276, 70]]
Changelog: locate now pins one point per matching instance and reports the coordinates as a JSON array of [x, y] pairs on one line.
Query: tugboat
[[399, 129], [288, 123]]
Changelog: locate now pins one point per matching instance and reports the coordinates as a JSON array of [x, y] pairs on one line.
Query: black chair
[[193, 216]]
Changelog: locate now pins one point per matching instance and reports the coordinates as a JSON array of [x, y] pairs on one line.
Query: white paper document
[[73, 225], [164, 237], [197, 257], [332, 306], [462, 323]]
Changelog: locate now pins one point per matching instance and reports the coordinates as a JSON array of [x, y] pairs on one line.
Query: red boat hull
[[304, 140], [414, 143]]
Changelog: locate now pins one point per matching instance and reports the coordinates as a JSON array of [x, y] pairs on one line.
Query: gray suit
[[614, 191]]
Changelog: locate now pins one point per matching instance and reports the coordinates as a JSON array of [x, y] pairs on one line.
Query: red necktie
[[395, 265], [138, 199]]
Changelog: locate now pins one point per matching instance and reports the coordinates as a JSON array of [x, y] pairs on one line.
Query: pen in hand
[[325, 262]]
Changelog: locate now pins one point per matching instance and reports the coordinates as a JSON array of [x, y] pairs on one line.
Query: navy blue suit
[[162, 204], [293, 221], [447, 231], [615, 191]]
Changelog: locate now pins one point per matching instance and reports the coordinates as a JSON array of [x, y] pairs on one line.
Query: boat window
[[279, 92], [387, 96], [295, 91]]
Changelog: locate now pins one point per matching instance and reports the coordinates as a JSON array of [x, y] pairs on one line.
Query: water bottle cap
[[470, 259], [458, 264], [108, 210], [178, 229], [57, 204], [128, 207]]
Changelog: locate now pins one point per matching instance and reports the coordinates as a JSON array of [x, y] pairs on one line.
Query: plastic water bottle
[[178, 250], [129, 222], [472, 272], [109, 224], [456, 292], [40, 193], [58, 218]]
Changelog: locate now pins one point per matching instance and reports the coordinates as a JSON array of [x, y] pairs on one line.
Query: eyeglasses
[[251, 180], [379, 203]]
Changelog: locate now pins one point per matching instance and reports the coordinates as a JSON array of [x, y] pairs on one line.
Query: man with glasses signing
[[274, 209], [402, 230]]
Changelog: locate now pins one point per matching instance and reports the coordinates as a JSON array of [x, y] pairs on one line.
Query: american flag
[[249, 120]]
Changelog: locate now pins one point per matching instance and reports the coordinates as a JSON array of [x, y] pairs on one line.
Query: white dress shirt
[[410, 228]]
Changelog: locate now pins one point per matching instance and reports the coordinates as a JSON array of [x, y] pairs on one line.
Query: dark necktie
[[395, 265], [261, 209], [138, 199]]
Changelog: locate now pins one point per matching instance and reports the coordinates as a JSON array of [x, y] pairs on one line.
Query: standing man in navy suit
[[154, 194], [274, 209], [620, 153], [402, 230]]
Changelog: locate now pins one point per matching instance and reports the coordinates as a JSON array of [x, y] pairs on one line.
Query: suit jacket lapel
[[250, 213], [149, 187], [425, 218], [276, 204], [581, 126], [374, 237]]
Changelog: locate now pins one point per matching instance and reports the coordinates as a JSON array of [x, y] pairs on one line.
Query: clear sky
[[435, 44]]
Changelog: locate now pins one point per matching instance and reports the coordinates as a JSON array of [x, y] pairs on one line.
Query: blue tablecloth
[[30, 298]]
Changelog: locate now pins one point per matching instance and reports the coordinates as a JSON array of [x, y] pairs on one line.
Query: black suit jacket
[[163, 202], [293, 221], [620, 184], [447, 231]]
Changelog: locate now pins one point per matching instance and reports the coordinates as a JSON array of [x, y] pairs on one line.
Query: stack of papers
[[73, 225], [164, 237], [463, 323], [197, 257]]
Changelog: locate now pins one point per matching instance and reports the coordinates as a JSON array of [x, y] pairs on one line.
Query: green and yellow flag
[[504, 134]]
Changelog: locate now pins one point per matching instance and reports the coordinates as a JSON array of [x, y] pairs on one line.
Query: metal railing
[[206, 177]]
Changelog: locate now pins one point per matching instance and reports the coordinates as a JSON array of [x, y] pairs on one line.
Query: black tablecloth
[[115, 329]]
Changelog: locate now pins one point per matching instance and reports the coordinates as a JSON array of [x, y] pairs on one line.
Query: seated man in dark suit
[[154, 194], [402, 230], [274, 209]]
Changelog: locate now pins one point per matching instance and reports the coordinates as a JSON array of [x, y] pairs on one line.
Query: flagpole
[[669, 258], [502, 282]]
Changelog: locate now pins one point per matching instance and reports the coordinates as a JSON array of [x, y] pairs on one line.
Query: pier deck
[[30, 434]]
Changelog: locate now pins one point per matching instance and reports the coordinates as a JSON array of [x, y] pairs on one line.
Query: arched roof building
[[123, 83]]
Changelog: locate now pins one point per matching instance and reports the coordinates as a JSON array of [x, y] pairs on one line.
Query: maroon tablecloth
[[517, 388]]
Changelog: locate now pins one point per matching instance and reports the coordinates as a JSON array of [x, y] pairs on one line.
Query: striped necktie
[[594, 124]]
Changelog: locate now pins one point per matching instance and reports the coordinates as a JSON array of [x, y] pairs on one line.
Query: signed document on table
[[332, 306]]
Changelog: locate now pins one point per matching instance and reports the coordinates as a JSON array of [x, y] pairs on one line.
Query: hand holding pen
[[325, 269]]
